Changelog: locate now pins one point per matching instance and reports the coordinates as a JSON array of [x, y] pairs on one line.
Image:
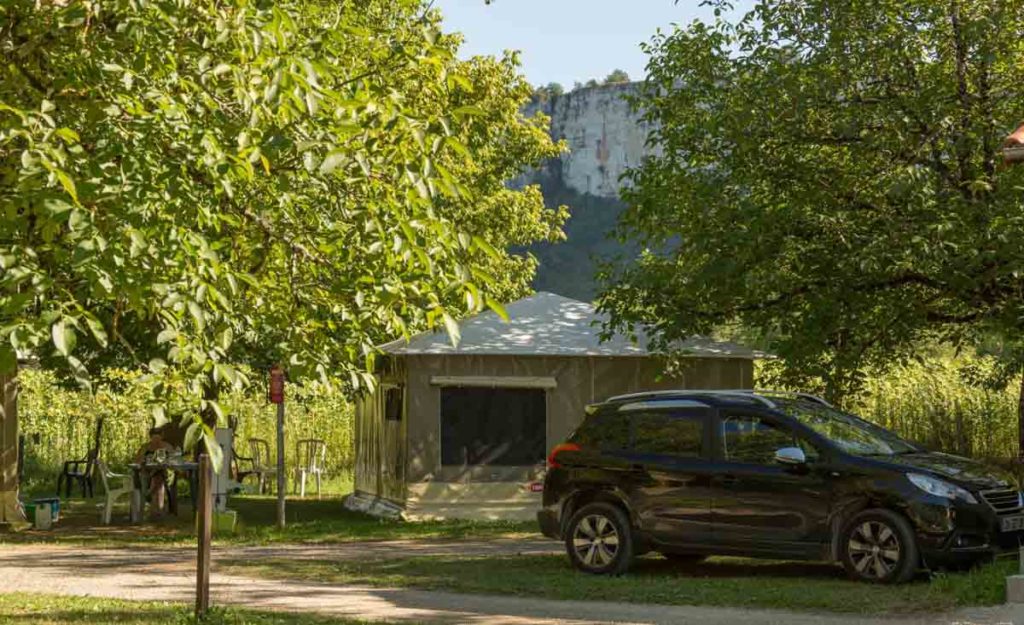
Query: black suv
[[695, 473]]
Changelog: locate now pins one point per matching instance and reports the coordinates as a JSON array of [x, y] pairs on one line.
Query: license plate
[[1012, 523]]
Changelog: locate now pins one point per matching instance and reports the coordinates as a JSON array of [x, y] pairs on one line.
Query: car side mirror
[[790, 456]]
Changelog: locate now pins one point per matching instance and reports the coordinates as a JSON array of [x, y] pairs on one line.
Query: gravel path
[[167, 575]]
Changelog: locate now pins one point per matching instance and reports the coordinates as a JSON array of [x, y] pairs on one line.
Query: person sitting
[[157, 478]]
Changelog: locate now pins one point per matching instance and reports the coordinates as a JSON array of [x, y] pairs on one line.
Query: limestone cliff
[[604, 134]]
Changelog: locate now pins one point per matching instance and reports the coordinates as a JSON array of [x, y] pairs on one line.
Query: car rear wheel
[[879, 546], [599, 539]]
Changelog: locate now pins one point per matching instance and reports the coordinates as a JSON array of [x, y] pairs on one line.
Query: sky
[[568, 41]]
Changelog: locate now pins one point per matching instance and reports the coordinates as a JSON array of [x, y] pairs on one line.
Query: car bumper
[[961, 533], [549, 523]]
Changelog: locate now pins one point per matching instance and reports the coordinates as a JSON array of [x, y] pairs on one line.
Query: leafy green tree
[[830, 179], [549, 91], [190, 185], [617, 76]]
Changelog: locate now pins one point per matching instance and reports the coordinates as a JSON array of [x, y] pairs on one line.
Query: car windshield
[[850, 433]]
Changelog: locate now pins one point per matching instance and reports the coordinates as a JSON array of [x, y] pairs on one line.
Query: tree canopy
[[829, 177], [189, 185], [616, 76]]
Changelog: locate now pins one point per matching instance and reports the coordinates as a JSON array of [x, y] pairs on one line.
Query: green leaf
[[459, 147], [215, 451], [80, 372], [470, 111], [452, 327], [166, 335], [198, 314], [96, 328], [225, 338], [333, 161], [159, 416], [68, 184], [487, 248], [64, 338], [193, 434], [497, 308]]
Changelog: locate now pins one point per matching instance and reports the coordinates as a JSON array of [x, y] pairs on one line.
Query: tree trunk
[[1020, 421], [10, 510]]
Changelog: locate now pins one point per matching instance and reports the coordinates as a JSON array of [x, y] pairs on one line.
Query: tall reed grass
[[59, 422], [934, 404]]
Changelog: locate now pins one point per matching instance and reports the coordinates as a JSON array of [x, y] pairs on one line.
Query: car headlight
[[940, 488]]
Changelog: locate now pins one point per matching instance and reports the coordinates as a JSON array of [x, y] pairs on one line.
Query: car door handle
[[728, 480]]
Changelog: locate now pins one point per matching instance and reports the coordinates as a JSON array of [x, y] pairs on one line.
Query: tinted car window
[[754, 440], [677, 434], [607, 432], [851, 433]]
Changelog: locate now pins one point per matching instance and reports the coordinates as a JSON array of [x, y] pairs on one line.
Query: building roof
[[546, 324]]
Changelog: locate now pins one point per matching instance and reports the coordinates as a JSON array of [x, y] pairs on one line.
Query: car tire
[[599, 539], [879, 546], [684, 559]]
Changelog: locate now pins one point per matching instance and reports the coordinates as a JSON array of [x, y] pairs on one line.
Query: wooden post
[[280, 466], [276, 396], [204, 516]]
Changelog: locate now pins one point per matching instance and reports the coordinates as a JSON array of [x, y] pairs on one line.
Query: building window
[[493, 426], [393, 403]]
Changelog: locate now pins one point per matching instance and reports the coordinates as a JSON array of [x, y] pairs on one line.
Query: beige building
[[464, 430]]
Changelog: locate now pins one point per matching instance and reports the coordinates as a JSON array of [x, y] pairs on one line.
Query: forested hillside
[[568, 267]]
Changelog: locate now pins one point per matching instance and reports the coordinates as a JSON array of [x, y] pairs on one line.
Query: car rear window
[[608, 431], [678, 433], [665, 433]]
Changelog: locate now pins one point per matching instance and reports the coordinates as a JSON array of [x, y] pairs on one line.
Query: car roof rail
[[808, 396], [696, 392]]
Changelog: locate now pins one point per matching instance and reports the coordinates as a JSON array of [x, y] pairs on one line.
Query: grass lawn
[[309, 520], [733, 582], [32, 609]]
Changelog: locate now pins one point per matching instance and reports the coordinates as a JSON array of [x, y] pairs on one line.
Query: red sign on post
[[276, 394]]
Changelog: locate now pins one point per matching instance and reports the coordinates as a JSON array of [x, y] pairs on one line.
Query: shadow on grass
[[733, 582], [308, 520], [36, 609]]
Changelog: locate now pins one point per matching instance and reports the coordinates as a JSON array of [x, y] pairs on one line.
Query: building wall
[[580, 381]]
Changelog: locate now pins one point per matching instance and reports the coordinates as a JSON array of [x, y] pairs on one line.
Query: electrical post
[[277, 397]]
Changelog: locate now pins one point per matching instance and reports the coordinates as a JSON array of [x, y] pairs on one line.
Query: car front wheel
[[879, 546], [599, 539]]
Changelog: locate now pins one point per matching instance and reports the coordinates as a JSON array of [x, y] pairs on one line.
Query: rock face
[[605, 136]]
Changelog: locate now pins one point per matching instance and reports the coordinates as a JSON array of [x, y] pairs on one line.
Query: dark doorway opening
[[493, 426]]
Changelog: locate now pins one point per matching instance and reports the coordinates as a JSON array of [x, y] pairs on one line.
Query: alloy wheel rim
[[595, 541], [874, 549]]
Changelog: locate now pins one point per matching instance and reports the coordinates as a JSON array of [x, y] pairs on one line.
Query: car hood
[[964, 472]]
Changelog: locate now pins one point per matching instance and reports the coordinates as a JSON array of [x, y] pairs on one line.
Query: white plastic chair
[[310, 457], [113, 494]]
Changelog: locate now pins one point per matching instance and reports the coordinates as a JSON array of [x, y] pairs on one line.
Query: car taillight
[[553, 457]]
